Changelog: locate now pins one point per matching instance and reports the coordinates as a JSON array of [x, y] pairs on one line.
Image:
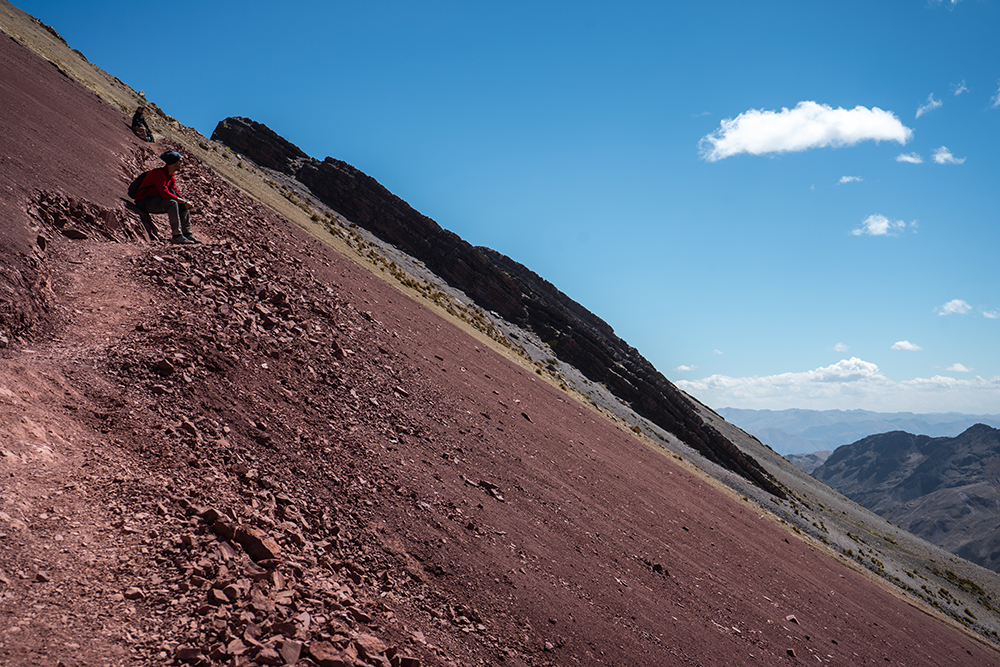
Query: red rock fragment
[[73, 233], [258, 544], [268, 656], [369, 646], [289, 650], [134, 593], [327, 655], [188, 654]]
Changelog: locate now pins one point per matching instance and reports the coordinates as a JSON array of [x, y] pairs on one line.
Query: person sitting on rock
[[158, 194], [139, 125]]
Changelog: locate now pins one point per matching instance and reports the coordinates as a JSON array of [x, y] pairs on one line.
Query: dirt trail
[[58, 548]]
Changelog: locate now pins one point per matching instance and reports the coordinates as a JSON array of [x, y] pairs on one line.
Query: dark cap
[[171, 157]]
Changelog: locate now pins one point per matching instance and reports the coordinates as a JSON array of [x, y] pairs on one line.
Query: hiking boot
[[190, 237], [180, 239]]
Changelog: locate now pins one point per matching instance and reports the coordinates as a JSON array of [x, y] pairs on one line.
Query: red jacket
[[158, 184]]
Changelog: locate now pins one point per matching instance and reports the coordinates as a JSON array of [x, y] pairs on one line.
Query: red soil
[[473, 513]]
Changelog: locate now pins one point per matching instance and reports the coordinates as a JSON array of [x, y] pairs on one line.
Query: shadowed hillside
[[946, 490]]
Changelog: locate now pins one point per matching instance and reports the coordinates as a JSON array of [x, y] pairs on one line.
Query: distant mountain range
[[807, 431], [946, 490]]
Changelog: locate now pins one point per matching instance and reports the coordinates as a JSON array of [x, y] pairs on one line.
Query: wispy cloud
[[848, 384], [685, 369], [960, 88], [995, 100], [959, 368], [840, 347], [991, 314], [906, 346], [849, 179], [954, 307], [912, 158], [808, 125], [717, 351], [930, 105], [943, 156], [879, 225]]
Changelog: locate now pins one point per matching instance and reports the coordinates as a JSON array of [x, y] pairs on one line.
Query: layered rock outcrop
[[497, 283]]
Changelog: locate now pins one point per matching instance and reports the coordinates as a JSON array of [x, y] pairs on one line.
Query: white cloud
[[930, 105], [912, 158], [840, 347], [906, 346], [879, 225], [995, 100], [943, 156], [847, 385], [960, 88], [954, 307], [808, 125], [991, 314], [958, 368], [717, 351], [849, 179], [685, 369]]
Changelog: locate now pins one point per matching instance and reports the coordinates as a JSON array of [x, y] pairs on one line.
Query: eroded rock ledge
[[496, 282]]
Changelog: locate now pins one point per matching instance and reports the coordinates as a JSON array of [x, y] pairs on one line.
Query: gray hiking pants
[[180, 217]]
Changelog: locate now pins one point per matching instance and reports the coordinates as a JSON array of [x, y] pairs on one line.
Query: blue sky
[[780, 204]]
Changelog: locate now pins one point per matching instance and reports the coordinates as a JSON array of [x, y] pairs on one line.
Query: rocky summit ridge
[[497, 283]]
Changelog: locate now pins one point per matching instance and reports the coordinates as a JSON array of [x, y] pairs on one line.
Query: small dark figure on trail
[[158, 194], [139, 125]]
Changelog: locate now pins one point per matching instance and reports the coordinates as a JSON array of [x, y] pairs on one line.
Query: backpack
[[133, 188]]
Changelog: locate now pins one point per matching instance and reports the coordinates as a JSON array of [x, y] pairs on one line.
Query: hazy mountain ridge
[[796, 431], [809, 462], [946, 490]]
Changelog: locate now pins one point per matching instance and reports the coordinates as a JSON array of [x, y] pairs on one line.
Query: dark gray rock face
[[497, 283], [946, 490], [261, 144]]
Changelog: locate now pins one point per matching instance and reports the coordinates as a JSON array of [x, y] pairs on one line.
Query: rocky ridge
[[499, 284]]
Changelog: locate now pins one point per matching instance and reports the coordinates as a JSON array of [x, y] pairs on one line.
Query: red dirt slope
[[256, 452]]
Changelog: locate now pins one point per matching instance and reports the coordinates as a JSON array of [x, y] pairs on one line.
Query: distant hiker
[[139, 125], [158, 194]]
